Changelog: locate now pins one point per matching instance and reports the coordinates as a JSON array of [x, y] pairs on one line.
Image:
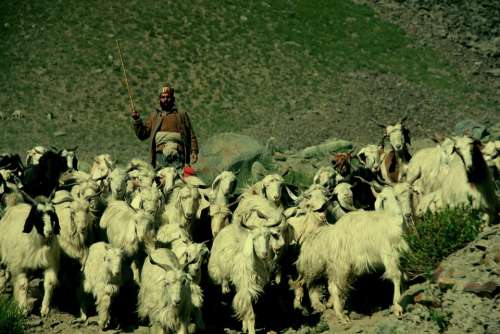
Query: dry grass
[[298, 70]]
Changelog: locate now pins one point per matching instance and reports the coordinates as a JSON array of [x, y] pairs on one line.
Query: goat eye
[[260, 215]]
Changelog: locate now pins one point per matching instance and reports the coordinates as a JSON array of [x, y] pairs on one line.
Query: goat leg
[[337, 299], [49, 283]]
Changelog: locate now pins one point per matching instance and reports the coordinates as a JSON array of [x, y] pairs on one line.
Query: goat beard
[[478, 170]]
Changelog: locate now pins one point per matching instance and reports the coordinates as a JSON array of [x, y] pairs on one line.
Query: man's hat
[[167, 88]]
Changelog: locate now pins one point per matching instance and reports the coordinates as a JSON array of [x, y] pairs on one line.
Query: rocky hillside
[[301, 72]]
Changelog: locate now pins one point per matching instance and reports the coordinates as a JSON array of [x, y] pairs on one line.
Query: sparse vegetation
[[437, 235], [300, 71], [11, 318], [440, 317]]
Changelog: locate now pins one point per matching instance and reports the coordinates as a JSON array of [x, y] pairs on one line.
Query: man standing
[[173, 142]]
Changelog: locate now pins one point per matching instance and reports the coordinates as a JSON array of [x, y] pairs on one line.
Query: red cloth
[[188, 171]]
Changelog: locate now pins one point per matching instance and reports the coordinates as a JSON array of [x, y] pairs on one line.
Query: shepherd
[[173, 141]]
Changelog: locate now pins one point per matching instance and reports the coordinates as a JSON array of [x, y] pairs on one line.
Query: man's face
[[166, 100]]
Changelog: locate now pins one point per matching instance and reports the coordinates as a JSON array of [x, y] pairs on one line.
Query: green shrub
[[11, 318], [440, 317], [437, 235]]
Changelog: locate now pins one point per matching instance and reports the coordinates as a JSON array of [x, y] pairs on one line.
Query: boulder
[[474, 268], [472, 128], [228, 151], [327, 148]]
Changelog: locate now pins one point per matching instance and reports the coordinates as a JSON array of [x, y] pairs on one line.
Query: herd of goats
[[353, 217]]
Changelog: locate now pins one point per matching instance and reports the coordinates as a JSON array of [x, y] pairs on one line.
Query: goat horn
[[362, 179], [273, 224], [348, 207], [377, 123], [372, 184], [415, 178], [94, 195], [382, 181], [294, 197], [165, 267], [287, 170], [28, 197]]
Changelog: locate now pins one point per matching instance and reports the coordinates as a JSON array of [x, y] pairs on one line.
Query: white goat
[[27, 243], [74, 220], [9, 189], [359, 241], [491, 153], [167, 294], [270, 187], [167, 177], [183, 206], [126, 229], [17, 114], [395, 160], [327, 177], [243, 254], [309, 214], [467, 177], [344, 200], [102, 278], [71, 159], [147, 199], [190, 254], [371, 157], [33, 155], [102, 166], [222, 187], [428, 163]]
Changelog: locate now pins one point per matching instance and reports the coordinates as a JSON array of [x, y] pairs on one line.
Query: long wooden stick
[[132, 107]]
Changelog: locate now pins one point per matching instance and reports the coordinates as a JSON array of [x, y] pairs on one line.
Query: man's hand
[[194, 157], [135, 115]]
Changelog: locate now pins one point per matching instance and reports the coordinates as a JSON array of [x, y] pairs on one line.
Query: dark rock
[[488, 289], [34, 322], [472, 128]]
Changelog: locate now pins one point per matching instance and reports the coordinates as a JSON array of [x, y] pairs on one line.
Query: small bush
[[437, 235], [440, 317], [11, 318]]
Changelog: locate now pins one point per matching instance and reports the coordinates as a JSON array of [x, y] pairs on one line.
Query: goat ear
[[406, 135], [34, 220], [362, 157], [216, 181], [56, 228]]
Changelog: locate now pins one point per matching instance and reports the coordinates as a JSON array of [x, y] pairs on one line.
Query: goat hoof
[[104, 325], [83, 317], [318, 308], [44, 311], [344, 319], [397, 310]]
